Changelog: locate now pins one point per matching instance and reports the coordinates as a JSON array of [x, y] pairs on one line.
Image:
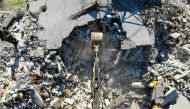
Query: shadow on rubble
[[133, 6], [6, 36], [162, 43]]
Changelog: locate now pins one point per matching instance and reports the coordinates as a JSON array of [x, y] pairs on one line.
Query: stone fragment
[[138, 85], [175, 35], [75, 78], [38, 53], [56, 103], [135, 105], [117, 102], [69, 101], [68, 93], [54, 100], [38, 99], [118, 91], [107, 102], [89, 106]]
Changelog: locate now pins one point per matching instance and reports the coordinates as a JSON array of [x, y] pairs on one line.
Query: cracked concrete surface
[[57, 24]]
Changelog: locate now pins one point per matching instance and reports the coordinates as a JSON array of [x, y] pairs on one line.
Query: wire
[[79, 51]]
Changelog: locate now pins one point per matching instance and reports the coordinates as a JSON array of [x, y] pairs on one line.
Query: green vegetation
[[8, 5]]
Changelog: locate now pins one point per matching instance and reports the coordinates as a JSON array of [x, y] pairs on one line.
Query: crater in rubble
[[117, 66], [76, 49], [78, 56]]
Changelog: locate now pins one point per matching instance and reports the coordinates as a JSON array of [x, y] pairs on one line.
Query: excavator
[[96, 44]]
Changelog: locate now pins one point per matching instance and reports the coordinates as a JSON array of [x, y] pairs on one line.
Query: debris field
[[95, 54]]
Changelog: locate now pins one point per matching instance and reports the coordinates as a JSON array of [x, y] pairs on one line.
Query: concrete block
[[170, 96]]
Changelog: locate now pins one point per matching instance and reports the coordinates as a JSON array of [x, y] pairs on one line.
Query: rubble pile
[[7, 53], [176, 74], [32, 76], [169, 59], [169, 22]]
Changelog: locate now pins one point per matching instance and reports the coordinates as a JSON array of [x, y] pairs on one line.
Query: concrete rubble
[[144, 60]]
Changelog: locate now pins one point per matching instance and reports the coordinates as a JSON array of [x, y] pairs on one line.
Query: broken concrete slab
[[170, 96], [35, 6], [181, 103], [10, 18], [159, 92], [117, 102], [136, 31], [179, 76], [56, 30]]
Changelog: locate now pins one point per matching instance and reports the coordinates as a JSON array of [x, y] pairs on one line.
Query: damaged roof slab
[[58, 25]]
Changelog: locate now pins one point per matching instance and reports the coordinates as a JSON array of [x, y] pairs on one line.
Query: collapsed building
[[48, 57]]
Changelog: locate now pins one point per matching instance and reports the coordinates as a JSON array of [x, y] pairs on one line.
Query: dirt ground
[[8, 5]]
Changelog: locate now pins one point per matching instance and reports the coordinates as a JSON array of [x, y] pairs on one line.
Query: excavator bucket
[[96, 40]]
